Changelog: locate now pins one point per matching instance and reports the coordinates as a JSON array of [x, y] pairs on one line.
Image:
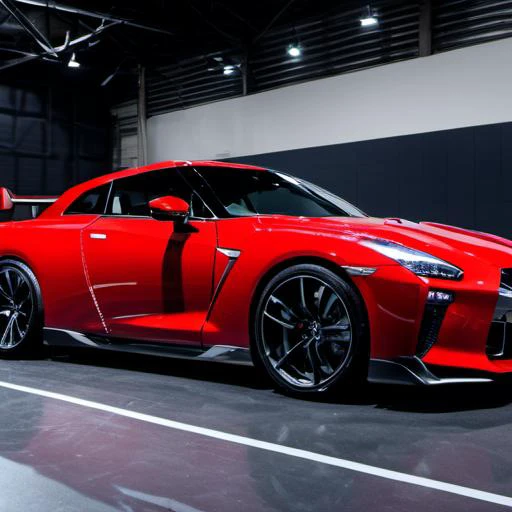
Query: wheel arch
[[30, 338], [312, 260], [13, 257], [17, 258]]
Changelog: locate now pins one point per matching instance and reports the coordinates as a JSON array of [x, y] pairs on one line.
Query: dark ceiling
[[186, 44], [130, 32]]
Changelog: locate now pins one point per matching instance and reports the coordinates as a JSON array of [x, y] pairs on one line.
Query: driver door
[[151, 280]]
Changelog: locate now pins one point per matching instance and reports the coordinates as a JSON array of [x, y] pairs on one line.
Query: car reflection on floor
[[99, 461]]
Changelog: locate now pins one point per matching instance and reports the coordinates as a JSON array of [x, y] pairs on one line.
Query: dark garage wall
[[461, 176], [51, 137]]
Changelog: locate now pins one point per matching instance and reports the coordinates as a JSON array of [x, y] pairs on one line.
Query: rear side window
[[92, 202]]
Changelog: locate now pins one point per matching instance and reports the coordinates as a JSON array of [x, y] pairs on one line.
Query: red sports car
[[243, 264]]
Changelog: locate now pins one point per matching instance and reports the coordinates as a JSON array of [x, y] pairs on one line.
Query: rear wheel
[[309, 330], [20, 311]]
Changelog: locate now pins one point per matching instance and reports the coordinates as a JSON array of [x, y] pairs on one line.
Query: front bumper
[[489, 348], [450, 340], [413, 371]]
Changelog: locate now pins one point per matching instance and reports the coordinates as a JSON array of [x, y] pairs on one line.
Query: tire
[[21, 311], [309, 332]]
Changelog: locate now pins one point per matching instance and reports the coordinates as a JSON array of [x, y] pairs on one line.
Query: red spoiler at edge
[[8, 200]]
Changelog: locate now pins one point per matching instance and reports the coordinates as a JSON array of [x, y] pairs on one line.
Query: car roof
[[168, 164], [73, 193]]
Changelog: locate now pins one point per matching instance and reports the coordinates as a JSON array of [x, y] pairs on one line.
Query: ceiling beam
[[18, 52], [16, 62], [271, 23], [28, 26], [51, 4], [58, 49]]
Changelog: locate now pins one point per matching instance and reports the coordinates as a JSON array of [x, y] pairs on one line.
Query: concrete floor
[[56, 456]]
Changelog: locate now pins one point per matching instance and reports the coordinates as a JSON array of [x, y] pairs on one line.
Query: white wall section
[[460, 88]]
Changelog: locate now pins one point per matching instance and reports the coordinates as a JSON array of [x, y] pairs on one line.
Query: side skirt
[[217, 353], [403, 370]]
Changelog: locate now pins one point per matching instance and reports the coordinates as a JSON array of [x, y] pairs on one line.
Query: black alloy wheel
[[310, 330], [20, 310]]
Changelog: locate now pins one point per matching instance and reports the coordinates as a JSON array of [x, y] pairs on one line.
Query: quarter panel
[[52, 250]]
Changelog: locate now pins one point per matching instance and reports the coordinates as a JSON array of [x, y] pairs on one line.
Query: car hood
[[450, 243]]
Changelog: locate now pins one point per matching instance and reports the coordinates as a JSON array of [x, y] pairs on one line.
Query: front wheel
[[309, 331], [20, 311]]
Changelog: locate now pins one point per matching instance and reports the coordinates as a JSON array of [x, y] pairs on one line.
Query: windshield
[[247, 193]]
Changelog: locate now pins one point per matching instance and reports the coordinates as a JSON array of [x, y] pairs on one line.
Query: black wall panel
[[461, 177], [51, 137]]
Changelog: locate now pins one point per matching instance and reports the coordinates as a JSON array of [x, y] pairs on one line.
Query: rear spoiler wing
[[8, 201]]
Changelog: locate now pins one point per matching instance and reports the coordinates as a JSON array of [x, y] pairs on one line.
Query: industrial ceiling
[[206, 50]]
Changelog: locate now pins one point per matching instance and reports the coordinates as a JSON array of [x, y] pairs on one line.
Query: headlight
[[420, 263]]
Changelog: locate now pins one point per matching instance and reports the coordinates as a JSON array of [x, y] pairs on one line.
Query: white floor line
[[275, 448]]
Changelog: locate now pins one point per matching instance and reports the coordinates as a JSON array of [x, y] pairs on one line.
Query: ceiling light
[[229, 69], [294, 50], [73, 63], [370, 20]]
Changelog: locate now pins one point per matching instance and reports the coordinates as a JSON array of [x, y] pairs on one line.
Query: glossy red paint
[[150, 282], [394, 297], [170, 205], [144, 279]]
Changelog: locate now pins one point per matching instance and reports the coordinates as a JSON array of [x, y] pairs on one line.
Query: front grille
[[499, 340], [433, 317]]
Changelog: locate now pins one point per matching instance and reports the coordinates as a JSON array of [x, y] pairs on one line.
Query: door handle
[[98, 236]]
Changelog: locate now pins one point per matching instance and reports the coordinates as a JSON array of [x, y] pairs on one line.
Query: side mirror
[[169, 208], [6, 203]]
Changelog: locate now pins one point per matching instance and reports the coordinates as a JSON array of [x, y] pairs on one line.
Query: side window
[[91, 202], [131, 196]]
